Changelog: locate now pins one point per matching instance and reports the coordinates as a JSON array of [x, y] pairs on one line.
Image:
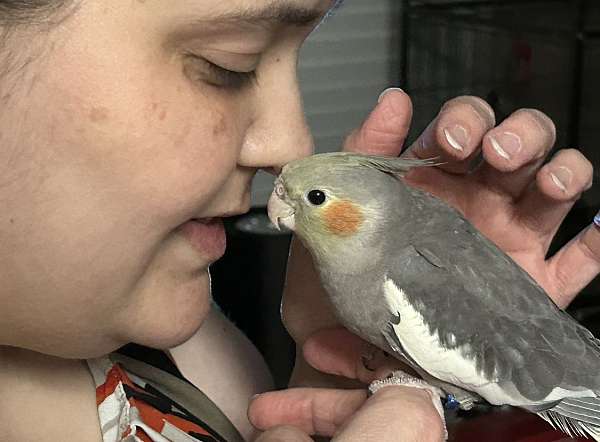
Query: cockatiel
[[412, 276]]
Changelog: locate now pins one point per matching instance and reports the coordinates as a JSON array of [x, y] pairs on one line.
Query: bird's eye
[[316, 197]]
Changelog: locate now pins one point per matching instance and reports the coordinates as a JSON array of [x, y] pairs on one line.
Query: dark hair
[[15, 12]]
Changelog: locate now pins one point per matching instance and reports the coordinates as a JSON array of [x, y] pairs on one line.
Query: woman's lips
[[207, 236]]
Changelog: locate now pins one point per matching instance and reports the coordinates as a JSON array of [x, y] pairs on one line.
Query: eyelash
[[234, 79], [219, 76]]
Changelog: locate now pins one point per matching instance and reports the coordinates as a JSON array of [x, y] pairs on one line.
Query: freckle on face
[[98, 114], [220, 127]]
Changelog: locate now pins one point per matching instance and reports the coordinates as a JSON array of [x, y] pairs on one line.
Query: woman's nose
[[279, 132]]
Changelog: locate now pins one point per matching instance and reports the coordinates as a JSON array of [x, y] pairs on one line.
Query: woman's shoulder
[[46, 398]]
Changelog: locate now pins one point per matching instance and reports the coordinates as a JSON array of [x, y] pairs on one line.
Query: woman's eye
[[219, 76], [227, 78]]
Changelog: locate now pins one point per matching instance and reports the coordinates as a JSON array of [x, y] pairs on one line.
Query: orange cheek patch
[[343, 217]]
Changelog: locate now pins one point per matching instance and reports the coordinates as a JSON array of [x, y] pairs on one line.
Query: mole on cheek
[[343, 217], [98, 114]]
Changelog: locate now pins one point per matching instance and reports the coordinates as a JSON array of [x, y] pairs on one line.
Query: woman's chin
[[169, 318]]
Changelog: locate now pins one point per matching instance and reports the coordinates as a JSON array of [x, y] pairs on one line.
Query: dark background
[[543, 54]]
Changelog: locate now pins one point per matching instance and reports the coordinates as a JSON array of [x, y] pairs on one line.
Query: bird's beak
[[280, 213]]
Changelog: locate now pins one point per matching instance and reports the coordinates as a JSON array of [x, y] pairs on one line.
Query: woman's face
[[118, 127]]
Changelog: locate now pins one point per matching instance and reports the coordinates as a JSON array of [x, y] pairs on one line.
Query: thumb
[[386, 128]]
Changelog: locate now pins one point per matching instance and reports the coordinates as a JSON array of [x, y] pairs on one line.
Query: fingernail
[[597, 219], [386, 91], [506, 144], [562, 177], [254, 397], [457, 137]]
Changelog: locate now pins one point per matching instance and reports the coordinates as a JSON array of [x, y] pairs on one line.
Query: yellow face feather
[[342, 217]]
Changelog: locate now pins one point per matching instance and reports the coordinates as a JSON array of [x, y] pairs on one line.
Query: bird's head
[[340, 203]]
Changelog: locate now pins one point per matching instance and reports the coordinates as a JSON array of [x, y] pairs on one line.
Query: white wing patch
[[425, 348], [450, 365]]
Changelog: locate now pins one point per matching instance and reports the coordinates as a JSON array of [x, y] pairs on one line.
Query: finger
[[386, 128], [576, 264], [313, 410], [456, 133], [300, 291], [392, 414], [337, 351], [284, 433], [558, 185], [514, 150]]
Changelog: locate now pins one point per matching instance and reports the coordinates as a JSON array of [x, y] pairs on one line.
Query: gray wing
[[470, 292]]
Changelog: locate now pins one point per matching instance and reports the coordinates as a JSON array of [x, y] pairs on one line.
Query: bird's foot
[[373, 358], [459, 398], [455, 397], [465, 402], [401, 378]]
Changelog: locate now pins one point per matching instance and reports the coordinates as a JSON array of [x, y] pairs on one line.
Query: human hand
[[391, 414], [509, 196], [512, 199]]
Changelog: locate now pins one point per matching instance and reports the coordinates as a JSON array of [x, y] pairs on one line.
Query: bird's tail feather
[[575, 416]]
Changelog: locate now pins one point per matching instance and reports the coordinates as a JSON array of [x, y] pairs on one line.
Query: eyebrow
[[277, 12]]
